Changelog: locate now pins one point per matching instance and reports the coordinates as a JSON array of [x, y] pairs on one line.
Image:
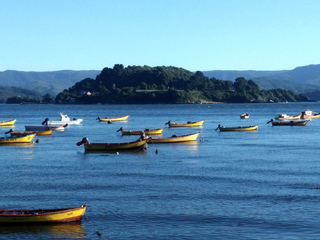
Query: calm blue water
[[229, 185]]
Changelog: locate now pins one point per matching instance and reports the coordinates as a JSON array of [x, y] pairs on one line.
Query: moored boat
[[245, 115], [138, 144], [17, 139], [175, 139], [187, 124], [116, 119], [8, 123], [64, 119], [239, 128], [147, 131], [42, 215], [46, 127], [309, 114], [38, 133], [284, 117], [288, 123]]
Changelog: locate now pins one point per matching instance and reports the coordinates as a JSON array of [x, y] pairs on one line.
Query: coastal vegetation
[[144, 84]]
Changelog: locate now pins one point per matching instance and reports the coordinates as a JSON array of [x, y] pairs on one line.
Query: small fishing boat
[[64, 119], [245, 115], [187, 124], [147, 131], [175, 139], [288, 123], [284, 117], [309, 114], [138, 144], [17, 139], [38, 133], [42, 215], [240, 128], [117, 119], [8, 123], [46, 127]]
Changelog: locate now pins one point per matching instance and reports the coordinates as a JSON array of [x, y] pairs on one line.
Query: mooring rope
[[100, 234]]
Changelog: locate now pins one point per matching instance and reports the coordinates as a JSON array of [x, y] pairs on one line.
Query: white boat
[[64, 119]]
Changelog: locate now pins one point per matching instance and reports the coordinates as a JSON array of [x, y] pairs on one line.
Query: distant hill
[[7, 92], [45, 82]]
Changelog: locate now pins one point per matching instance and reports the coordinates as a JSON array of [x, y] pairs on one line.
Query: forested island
[[150, 85]]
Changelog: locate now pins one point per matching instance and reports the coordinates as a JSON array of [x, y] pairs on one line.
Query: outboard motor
[[84, 140], [45, 121]]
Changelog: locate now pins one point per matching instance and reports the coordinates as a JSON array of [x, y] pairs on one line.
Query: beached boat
[[116, 119], [175, 139], [42, 215], [309, 114], [38, 133], [187, 124], [17, 139], [138, 144], [240, 128], [46, 127], [8, 123], [245, 115], [64, 119], [284, 117], [288, 123], [147, 131]]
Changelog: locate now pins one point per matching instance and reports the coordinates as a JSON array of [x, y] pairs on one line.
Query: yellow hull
[[42, 216], [250, 128], [175, 139], [310, 116], [297, 117], [147, 132], [8, 123], [245, 115], [113, 119], [24, 139], [189, 124], [115, 146]]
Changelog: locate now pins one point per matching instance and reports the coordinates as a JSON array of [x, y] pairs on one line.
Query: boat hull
[[115, 146], [175, 139], [72, 122], [42, 216], [238, 129], [123, 118], [296, 117], [23, 139], [8, 123], [44, 128], [190, 124], [245, 115], [290, 123], [146, 132], [38, 133]]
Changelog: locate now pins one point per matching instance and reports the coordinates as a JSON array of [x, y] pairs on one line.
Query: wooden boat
[[309, 114], [138, 144], [245, 115], [175, 139], [46, 127], [288, 123], [117, 119], [38, 133], [8, 123], [284, 117], [20, 139], [147, 131], [240, 128], [42, 215], [187, 124], [64, 119]]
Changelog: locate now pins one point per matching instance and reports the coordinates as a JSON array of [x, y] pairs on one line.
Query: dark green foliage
[[9, 92], [136, 84]]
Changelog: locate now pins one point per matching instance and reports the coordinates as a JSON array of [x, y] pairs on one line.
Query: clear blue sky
[[49, 35]]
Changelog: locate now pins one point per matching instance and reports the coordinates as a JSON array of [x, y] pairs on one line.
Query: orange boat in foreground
[[42, 215]]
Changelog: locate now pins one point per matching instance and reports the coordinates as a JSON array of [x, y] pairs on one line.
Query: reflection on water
[[133, 152], [60, 230], [18, 145]]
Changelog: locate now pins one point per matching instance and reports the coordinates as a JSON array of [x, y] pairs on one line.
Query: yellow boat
[[283, 117], [309, 114], [38, 133], [147, 131], [187, 124], [247, 128], [23, 139], [42, 215], [245, 115], [123, 118], [139, 144], [8, 123], [175, 139]]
